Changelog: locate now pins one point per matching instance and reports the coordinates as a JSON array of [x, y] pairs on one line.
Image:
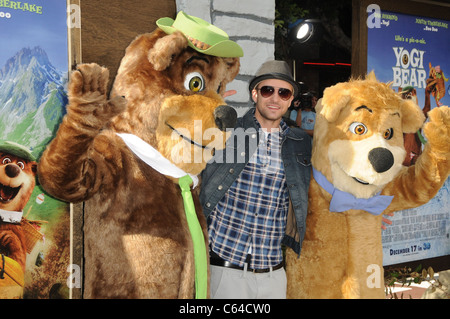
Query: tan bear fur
[[137, 242], [342, 252]]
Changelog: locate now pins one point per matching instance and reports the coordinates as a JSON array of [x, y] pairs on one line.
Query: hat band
[[197, 43]]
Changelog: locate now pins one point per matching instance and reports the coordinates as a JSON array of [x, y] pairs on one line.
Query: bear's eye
[[21, 165], [358, 128], [6, 160], [194, 82], [388, 134]]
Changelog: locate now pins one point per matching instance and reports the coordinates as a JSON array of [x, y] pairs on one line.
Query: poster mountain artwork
[[33, 98], [411, 52]]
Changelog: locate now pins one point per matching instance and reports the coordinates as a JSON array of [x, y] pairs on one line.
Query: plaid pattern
[[251, 217]]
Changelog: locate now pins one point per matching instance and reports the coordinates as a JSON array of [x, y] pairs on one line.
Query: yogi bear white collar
[[153, 158]]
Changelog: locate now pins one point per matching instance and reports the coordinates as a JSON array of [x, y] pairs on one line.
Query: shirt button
[[253, 135], [231, 170], [243, 154], [220, 187], [208, 204]]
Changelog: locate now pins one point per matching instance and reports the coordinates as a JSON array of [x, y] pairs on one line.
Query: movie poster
[[35, 239], [412, 53]]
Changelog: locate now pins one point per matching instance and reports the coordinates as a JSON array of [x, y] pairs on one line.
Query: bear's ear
[[412, 116], [335, 98], [232, 68], [166, 47]]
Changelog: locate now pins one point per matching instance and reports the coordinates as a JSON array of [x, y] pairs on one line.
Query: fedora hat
[[201, 35], [274, 69]]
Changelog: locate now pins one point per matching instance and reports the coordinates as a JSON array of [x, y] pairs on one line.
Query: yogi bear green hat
[[201, 35], [16, 150]]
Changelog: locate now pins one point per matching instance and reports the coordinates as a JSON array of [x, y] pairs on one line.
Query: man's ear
[[254, 95], [165, 48]]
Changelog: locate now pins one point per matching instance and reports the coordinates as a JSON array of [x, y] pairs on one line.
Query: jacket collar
[[249, 120]]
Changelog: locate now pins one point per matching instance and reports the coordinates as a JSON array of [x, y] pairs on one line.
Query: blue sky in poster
[[433, 37], [29, 29]]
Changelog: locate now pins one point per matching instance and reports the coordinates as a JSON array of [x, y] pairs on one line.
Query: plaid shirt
[[251, 217]]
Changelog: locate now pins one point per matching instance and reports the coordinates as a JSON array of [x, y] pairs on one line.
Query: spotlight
[[302, 31]]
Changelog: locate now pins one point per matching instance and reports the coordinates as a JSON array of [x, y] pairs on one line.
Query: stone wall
[[248, 22]]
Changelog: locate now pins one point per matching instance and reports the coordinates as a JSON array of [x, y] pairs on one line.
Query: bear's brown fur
[[137, 241]]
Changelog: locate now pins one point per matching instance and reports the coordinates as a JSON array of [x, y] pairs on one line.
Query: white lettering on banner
[[408, 69]]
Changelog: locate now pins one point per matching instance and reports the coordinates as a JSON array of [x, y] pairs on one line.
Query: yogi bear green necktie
[[200, 257]]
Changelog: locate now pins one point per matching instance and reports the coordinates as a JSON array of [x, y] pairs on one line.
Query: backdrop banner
[[412, 53], [33, 79]]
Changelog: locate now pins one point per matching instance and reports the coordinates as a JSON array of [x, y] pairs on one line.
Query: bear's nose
[[381, 159], [12, 170], [225, 117]]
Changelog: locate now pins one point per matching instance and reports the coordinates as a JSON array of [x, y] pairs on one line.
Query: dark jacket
[[225, 167]]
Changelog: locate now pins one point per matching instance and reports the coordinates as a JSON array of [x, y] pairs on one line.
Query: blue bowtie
[[342, 201]]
